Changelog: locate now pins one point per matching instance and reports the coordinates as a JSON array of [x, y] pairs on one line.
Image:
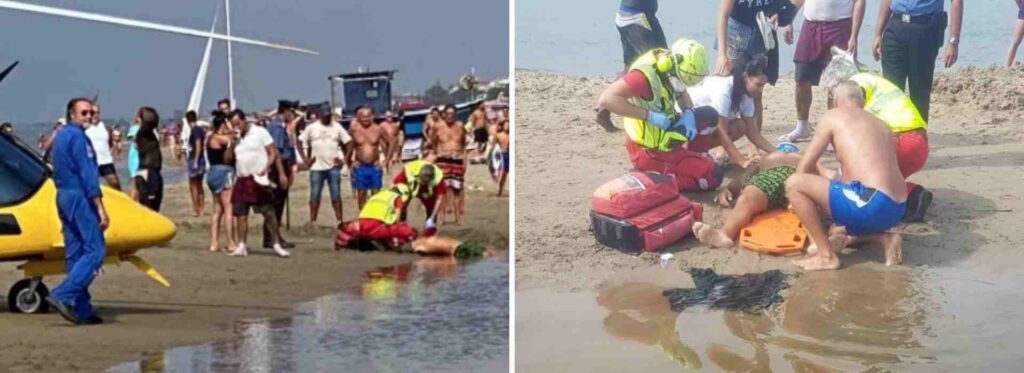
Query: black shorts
[[151, 189], [107, 170], [808, 72], [242, 209], [637, 40], [480, 136]]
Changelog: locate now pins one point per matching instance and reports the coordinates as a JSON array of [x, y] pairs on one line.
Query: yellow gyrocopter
[[30, 230]]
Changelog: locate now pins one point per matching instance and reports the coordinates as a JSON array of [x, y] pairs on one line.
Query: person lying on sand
[[761, 188], [378, 222], [870, 196], [446, 246]]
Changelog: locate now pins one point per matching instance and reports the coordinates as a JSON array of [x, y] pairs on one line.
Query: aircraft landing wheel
[[22, 299]]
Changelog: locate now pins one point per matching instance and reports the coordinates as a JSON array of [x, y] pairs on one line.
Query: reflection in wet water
[[860, 318], [429, 315]]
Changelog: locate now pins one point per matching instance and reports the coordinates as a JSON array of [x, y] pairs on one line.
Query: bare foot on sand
[[710, 236], [892, 243], [817, 263], [837, 240]]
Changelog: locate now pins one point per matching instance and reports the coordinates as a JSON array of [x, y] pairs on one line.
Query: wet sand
[[865, 318], [975, 169], [211, 291]]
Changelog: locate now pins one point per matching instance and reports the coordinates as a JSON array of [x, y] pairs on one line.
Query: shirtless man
[[478, 125], [502, 140], [870, 196], [433, 118], [394, 131], [369, 141], [449, 144]]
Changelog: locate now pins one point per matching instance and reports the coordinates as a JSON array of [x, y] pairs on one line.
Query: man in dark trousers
[[908, 36], [82, 215], [640, 32], [282, 130]]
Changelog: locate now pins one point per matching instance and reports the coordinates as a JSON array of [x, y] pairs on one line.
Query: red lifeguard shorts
[[374, 230], [693, 171], [911, 151]]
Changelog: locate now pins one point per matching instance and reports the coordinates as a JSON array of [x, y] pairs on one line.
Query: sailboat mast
[[231, 70], [197, 88]]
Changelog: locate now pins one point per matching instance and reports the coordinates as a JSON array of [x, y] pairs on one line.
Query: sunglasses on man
[[87, 113]]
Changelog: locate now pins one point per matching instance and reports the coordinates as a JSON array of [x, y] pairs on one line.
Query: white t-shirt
[[828, 10], [324, 141], [251, 153], [716, 92], [100, 138]]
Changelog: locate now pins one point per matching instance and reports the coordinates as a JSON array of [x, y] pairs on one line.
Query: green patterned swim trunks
[[773, 183], [469, 249]]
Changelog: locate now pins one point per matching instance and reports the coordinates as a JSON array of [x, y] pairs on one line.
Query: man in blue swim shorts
[[869, 198], [502, 139], [369, 141]]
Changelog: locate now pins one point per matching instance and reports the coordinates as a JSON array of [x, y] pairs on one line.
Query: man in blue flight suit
[[82, 215]]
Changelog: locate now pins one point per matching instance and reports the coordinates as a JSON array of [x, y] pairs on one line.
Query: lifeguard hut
[[349, 91]]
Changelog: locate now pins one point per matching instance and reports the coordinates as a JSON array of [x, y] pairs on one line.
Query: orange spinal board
[[774, 232]]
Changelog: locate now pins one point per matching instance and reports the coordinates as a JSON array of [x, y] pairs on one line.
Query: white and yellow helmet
[[687, 60]]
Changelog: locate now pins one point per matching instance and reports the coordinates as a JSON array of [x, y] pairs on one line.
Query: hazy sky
[[60, 58]]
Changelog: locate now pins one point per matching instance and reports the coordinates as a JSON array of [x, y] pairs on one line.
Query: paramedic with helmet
[[646, 97]]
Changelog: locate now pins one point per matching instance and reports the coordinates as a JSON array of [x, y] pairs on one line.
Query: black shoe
[[917, 204], [95, 320], [64, 311], [604, 118]]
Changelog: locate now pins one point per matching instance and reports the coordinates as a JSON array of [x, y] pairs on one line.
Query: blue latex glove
[[658, 119], [686, 124]]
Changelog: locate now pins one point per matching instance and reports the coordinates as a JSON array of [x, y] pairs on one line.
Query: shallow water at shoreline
[[866, 317], [428, 315], [579, 37]]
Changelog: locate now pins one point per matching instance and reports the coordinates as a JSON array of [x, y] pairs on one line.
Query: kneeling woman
[[732, 97]]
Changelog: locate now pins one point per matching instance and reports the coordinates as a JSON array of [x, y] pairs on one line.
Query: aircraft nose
[[133, 226]]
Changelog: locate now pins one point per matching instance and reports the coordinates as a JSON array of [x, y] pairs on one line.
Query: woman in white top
[[99, 136], [732, 97]]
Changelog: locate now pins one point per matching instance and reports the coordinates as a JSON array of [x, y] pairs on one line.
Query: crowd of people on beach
[[249, 163], [682, 115]]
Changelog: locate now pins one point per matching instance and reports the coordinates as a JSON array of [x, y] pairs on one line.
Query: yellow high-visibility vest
[[887, 102], [412, 173], [382, 206], [663, 99]]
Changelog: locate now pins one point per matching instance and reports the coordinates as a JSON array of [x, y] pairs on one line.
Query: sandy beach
[[611, 316], [209, 291], [974, 169]]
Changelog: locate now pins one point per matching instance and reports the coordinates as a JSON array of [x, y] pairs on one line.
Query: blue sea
[[579, 37]]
